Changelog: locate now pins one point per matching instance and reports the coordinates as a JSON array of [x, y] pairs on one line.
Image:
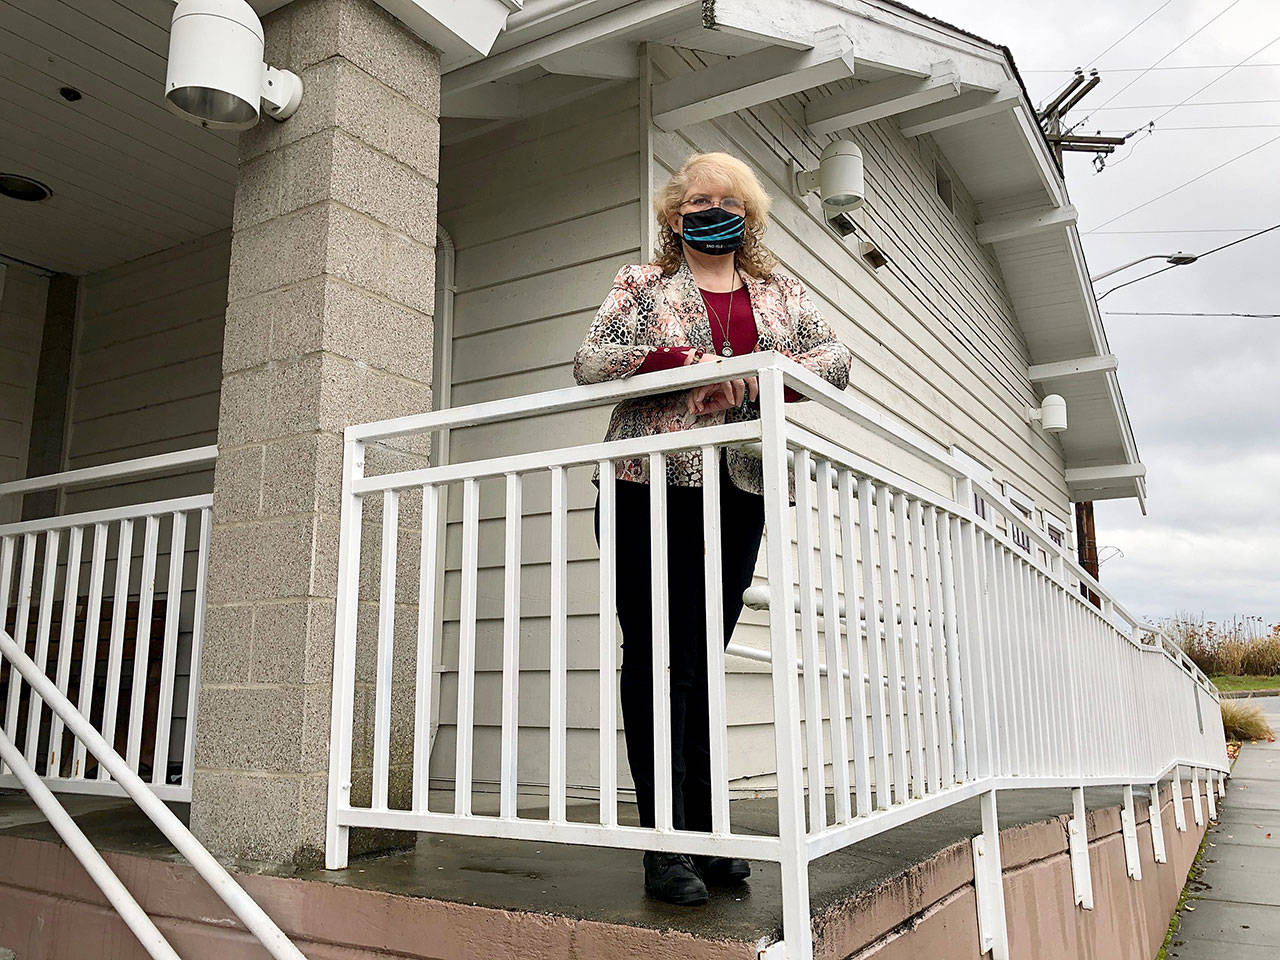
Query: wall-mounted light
[[838, 181], [1052, 414], [216, 75]]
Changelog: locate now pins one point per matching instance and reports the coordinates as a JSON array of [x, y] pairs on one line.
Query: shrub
[[1241, 647], [1242, 720]]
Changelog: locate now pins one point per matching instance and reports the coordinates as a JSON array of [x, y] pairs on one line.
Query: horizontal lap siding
[[542, 214], [22, 305], [148, 367]]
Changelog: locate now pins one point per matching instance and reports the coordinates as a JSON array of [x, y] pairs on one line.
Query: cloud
[[1203, 393]]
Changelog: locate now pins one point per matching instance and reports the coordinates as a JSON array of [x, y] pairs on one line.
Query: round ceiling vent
[[18, 187]]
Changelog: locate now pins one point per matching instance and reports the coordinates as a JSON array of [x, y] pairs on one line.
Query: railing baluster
[[923, 622], [6, 581], [875, 660], [424, 662], [559, 640], [169, 654], [115, 652], [809, 643], [853, 640], [660, 676], [467, 647], [21, 622], [893, 661], [910, 609], [142, 641], [509, 776], [953, 609], [385, 649], [197, 649], [609, 647], [66, 640], [980, 730], [48, 586], [89, 657], [713, 578], [1048, 709], [831, 638]]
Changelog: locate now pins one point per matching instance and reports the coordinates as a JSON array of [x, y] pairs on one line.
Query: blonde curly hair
[[735, 178]]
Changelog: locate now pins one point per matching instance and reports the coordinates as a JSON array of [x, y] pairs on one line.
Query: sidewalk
[[1237, 913]]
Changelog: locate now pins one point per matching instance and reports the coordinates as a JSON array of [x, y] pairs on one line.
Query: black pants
[[742, 524]]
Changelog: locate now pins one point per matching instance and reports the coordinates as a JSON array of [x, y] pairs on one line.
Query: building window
[[1057, 536], [980, 506]]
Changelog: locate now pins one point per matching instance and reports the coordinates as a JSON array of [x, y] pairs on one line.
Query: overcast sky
[[1203, 392]]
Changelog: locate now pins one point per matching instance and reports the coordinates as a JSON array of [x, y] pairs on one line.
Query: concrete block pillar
[[328, 324]]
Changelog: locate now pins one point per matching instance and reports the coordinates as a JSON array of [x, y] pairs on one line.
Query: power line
[[1220, 76], [1187, 183], [1195, 33], [1201, 256], [1113, 233], [1185, 66], [1201, 103], [1171, 313], [1216, 126], [1129, 32]]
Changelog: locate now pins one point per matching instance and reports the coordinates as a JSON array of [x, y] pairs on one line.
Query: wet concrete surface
[[596, 883], [1235, 909]]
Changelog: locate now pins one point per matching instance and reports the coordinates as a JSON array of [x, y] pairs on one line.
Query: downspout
[[441, 397]]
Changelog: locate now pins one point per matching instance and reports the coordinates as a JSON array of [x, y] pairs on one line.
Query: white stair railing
[[231, 893]]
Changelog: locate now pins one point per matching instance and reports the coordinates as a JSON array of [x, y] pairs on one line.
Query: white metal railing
[[110, 603], [63, 737], [992, 671]]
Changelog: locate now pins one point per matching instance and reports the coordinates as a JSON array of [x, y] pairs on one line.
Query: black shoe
[[672, 877], [722, 871]]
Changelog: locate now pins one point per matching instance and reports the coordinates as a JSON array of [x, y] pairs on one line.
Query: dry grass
[[1242, 720], [1244, 646]]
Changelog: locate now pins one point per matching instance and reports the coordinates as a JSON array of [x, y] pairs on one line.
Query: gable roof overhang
[[934, 78]]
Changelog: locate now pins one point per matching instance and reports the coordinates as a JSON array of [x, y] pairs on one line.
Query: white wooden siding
[[148, 367], [544, 211], [22, 304]]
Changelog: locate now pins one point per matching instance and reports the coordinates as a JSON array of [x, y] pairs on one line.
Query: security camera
[[1052, 414], [838, 181], [216, 75]]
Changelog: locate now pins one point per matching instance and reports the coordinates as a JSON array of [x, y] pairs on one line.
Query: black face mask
[[713, 230]]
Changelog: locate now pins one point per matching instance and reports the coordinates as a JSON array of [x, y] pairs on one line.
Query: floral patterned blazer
[[646, 310]]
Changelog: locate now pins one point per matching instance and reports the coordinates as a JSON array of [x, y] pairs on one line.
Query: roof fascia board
[[755, 78], [883, 38], [1025, 224], [455, 29], [1083, 476], [1042, 372], [973, 105], [632, 21], [881, 99]]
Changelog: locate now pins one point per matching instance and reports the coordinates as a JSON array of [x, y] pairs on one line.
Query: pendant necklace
[[727, 349]]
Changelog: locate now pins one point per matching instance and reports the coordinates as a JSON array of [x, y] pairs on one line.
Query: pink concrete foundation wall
[[50, 910]]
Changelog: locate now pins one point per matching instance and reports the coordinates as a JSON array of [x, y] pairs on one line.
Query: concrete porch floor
[[592, 883]]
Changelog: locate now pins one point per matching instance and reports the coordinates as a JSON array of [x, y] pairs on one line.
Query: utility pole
[[1060, 137], [1053, 121]]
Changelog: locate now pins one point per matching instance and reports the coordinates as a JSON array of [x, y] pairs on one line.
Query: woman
[[712, 292]]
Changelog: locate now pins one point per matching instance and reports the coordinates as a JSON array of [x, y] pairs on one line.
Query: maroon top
[[741, 330]]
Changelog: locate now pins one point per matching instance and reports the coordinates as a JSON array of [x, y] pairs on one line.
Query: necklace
[[727, 349]]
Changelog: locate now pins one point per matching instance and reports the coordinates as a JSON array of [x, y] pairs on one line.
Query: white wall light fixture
[[838, 181], [1052, 414], [216, 75]]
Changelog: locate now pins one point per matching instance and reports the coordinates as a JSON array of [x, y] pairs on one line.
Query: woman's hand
[[714, 397]]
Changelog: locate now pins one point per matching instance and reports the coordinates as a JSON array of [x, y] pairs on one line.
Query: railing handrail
[[866, 415], [175, 831], [139, 466], [130, 511]]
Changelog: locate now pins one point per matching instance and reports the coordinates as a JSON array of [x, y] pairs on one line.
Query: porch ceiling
[[128, 177]]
